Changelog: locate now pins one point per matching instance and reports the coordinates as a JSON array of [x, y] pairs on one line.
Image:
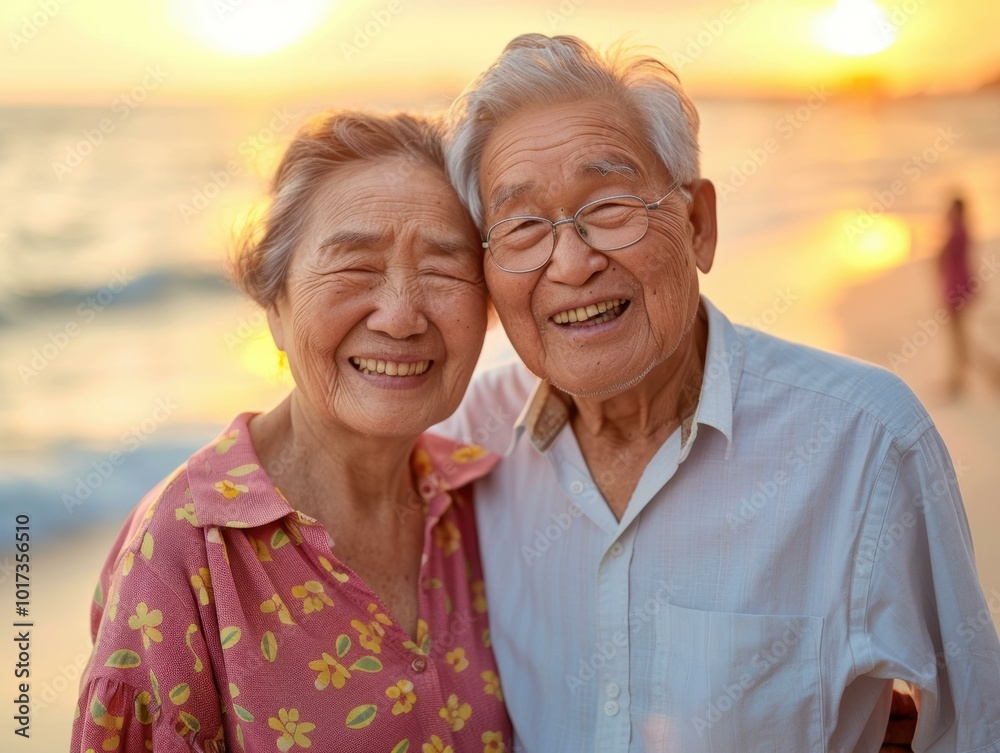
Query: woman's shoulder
[[170, 510]]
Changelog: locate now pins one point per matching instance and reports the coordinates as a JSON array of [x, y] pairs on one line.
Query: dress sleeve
[[923, 616], [149, 684]]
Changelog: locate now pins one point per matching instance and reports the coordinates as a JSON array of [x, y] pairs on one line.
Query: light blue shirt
[[797, 544]]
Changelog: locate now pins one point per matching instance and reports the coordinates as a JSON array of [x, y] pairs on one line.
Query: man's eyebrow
[[609, 165], [507, 192], [354, 238]]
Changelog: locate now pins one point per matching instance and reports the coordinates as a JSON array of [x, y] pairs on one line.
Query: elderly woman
[[312, 578]]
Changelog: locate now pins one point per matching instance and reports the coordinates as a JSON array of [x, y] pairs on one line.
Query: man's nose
[[573, 261]]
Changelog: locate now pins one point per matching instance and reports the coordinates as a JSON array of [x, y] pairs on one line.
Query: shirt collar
[[549, 409], [229, 488]]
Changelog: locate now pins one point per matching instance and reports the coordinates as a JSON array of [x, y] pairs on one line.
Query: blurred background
[[134, 136]]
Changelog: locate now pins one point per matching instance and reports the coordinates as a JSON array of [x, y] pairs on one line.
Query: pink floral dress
[[224, 622]]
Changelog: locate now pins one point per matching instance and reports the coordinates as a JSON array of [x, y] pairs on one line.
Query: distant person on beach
[[953, 265], [345, 611], [701, 538]]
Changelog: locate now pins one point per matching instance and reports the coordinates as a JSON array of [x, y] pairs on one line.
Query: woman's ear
[[274, 321]]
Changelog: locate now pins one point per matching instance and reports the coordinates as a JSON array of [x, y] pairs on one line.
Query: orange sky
[[77, 51]]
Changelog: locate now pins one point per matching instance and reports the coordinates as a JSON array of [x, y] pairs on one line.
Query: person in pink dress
[[311, 579], [953, 263]]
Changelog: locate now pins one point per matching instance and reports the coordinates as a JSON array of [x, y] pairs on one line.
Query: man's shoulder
[[490, 407], [852, 384]]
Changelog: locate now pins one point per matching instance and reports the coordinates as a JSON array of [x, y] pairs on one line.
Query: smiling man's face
[[637, 302]]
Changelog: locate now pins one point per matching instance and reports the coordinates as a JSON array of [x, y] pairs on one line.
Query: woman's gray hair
[[538, 70], [324, 145]]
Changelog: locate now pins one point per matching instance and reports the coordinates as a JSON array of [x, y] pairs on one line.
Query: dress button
[[419, 664], [617, 549], [576, 487], [613, 690], [610, 708]]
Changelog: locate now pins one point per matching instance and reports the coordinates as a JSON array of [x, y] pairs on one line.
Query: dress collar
[[229, 488]]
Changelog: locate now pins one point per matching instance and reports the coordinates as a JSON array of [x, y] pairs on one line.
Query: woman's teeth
[[390, 368], [595, 313]]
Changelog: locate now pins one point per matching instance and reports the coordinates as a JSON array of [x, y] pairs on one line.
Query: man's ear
[[274, 321], [704, 230]]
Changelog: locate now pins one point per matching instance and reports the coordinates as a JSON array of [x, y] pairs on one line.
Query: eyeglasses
[[525, 244]]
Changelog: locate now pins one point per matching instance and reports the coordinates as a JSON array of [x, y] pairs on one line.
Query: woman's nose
[[399, 310]]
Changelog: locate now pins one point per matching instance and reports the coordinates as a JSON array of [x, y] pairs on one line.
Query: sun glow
[[250, 27], [855, 27]]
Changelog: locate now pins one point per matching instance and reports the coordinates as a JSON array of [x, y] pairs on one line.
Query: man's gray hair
[[538, 70]]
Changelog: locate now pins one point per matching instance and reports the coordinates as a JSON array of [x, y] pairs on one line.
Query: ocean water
[[124, 349]]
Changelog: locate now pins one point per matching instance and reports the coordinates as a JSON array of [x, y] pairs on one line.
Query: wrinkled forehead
[[562, 142]]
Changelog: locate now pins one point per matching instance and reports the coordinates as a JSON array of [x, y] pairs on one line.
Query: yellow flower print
[[456, 658], [436, 745], [330, 672], [370, 635], [421, 463], [378, 616], [187, 513], [341, 577], [403, 691], [454, 713], [275, 604], [230, 490], [478, 596], [447, 536], [146, 621], [293, 732], [468, 453], [202, 583], [313, 598], [227, 441], [492, 684], [493, 742]]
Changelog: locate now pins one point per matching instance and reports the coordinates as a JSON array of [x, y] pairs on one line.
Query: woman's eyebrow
[[355, 238]]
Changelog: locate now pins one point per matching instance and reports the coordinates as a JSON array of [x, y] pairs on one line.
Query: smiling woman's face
[[383, 313], [592, 322]]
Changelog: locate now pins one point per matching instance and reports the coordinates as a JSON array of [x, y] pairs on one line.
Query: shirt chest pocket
[[726, 682]]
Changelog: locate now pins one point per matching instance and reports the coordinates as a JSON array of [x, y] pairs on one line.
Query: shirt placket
[[611, 658]]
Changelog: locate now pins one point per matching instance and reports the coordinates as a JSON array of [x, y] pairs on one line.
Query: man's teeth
[[375, 366], [583, 314]]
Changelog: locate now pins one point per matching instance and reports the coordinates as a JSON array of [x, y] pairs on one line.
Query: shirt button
[[617, 549], [613, 690], [610, 708], [419, 664], [576, 487]]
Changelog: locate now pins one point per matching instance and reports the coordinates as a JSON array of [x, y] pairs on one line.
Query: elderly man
[[702, 538]]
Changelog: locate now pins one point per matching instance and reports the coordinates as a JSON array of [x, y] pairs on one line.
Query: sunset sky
[[207, 51]]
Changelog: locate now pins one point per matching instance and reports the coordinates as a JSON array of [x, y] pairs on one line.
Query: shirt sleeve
[[924, 617], [149, 684]]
